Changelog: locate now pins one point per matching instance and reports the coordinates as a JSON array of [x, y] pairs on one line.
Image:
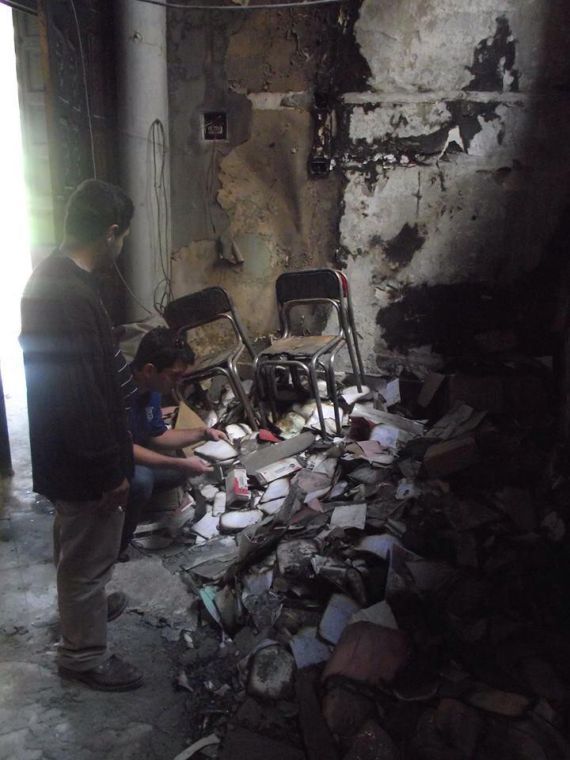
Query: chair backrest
[[205, 306], [308, 284], [195, 309]]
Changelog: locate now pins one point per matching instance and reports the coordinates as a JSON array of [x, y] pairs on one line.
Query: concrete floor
[[41, 717]]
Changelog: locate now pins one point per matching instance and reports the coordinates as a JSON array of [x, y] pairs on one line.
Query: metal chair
[[206, 307], [308, 353]]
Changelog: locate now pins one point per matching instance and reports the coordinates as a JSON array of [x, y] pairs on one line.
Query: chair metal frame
[[206, 307], [269, 360]]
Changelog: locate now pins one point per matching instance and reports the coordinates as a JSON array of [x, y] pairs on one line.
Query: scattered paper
[[336, 617], [207, 527], [277, 470], [308, 649], [379, 614], [220, 451], [349, 516]]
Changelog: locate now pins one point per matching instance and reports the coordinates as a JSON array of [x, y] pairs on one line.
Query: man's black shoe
[[113, 675], [116, 605]]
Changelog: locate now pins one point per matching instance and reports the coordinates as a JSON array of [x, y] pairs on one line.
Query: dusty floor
[[42, 718]]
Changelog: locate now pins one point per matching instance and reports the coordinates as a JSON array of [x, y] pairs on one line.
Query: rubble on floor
[[396, 592]]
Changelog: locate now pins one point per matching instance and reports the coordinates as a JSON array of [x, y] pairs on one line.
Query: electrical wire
[[263, 6], [133, 295], [157, 145], [84, 73]]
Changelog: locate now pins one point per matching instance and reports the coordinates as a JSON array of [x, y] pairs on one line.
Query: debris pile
[[396, 592]]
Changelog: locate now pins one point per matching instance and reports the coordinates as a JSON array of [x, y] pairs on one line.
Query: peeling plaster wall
[[456, 163], [451, 151], [252, 191]]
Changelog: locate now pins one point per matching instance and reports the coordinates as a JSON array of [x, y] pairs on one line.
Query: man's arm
[[179, 439], [89, 430], [157, 461]]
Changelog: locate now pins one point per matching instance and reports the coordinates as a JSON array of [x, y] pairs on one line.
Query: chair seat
[[298, 346]]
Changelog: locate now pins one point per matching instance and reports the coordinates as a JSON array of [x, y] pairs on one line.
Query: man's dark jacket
[[79, 438]]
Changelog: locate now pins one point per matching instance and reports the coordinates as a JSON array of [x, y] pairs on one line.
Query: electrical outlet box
[[215, 125]]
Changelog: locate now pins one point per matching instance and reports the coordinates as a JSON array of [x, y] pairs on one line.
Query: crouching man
[[160, 362]]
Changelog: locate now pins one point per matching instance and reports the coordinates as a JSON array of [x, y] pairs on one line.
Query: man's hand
[[115, 499], [216, 435], [196, 465]]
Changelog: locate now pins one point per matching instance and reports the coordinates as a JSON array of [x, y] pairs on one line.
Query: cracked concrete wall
[[456, 167]]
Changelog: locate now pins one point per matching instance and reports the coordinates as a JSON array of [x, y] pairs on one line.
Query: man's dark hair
[[162, 347], [93, 207]]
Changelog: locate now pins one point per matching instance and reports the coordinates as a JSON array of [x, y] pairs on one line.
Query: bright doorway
[[15, 259]]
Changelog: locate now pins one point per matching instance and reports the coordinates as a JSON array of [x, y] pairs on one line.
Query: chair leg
[[333, 391], [354, 337], [242, 395], [271, 386], [353, 360], [312, 373], [258, 389], [348, 336], [262, 390]]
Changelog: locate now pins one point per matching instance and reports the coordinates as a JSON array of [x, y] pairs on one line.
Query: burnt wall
[[451, 154], [244, 210], [456, 162]]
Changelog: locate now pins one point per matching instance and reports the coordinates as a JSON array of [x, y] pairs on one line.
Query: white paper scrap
[[349, 516]]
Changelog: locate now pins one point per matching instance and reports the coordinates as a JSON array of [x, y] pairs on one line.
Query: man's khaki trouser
[[86, 545]]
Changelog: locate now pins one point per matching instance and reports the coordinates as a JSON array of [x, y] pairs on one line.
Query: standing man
[[80, 444]]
